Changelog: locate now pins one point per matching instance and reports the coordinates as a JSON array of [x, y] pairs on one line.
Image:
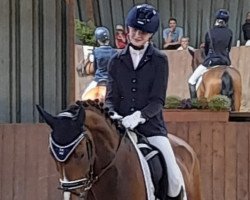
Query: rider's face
[[138, 37]]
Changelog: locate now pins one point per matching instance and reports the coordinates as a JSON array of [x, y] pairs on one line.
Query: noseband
[[62, 153]]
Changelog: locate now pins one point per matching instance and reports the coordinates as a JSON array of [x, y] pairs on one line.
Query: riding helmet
[[222, 14], [102, 34], [143, 17]]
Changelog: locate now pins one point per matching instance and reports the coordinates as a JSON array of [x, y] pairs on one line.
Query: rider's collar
[[138, 50]]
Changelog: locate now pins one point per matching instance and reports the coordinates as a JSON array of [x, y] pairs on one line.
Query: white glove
[[131, 121], [116, 116]]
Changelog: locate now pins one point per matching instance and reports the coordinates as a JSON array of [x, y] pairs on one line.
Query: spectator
[[185, 44], [172, 35], [120, 37], [246, 29]]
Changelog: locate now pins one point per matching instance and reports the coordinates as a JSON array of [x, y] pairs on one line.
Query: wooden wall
[[195, 16], [223, 150], [36, 59], [28, 172]]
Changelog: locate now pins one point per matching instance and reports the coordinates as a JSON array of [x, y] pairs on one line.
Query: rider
[[216, 51], [136, 89], [102, 55]]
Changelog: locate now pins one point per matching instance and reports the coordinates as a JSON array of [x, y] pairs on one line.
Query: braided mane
[[97, 107]]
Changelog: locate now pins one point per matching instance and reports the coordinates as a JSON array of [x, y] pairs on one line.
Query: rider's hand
[[115, 116], [131, 121]]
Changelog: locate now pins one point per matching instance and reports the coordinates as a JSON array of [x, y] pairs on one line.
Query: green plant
[[172, 102], [219, 103], [200, 103], [85, 32]]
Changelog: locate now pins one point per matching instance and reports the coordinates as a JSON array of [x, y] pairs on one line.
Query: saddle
[[86, 67], [157, 166]]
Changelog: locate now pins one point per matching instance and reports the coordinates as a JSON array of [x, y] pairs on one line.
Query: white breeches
[[198, 72], [247, 43], [175, 178], [89, 87]]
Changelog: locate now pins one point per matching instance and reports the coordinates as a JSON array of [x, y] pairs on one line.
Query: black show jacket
[[143, 88]]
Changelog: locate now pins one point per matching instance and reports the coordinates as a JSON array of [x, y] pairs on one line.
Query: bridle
[[84, 184]]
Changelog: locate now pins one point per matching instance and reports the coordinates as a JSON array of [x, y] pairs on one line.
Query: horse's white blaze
[[66, 195]]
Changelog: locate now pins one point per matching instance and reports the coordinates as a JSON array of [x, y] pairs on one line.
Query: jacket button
[[134, 80], [132, 109], [133, 99], [133, 89]]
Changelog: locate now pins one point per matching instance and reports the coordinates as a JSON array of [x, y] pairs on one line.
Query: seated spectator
[[246, 29], [185, 44], [120, 37], [172, 35]]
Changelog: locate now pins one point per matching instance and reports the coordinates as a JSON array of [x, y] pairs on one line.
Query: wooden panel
[[206, 161], [7, 163], [179, 66], [43, 161], [1, 159], [194, 137], [182, 130], [242, 162], [230, 161], [218, 161], [20, 172]]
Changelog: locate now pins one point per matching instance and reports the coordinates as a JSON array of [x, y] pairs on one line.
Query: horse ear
[[81, 115], [49, 119]]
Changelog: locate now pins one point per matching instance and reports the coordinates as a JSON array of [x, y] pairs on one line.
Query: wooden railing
[[28, 172]]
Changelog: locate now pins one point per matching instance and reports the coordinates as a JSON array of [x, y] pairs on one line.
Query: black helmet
[[102, 34], [222, 14], [143, 17]]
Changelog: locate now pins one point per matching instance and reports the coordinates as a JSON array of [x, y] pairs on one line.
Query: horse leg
[[189, 165]]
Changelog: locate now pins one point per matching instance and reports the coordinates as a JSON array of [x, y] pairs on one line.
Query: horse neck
[[105, 137]]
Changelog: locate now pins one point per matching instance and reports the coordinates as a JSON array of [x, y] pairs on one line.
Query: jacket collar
[[148, 52], [125, 54]]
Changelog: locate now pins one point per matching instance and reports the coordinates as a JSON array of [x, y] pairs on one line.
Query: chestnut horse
[[97, 162], [223, 80]]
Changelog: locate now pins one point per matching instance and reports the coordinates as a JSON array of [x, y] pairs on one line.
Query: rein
[[87, 182]]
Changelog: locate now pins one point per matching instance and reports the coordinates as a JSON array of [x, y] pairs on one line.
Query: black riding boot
[[192, 90]]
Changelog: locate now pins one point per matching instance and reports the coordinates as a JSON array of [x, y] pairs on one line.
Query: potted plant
[[214, 109]]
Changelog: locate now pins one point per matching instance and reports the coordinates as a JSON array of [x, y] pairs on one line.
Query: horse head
[[75, 132], [71, 146]]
